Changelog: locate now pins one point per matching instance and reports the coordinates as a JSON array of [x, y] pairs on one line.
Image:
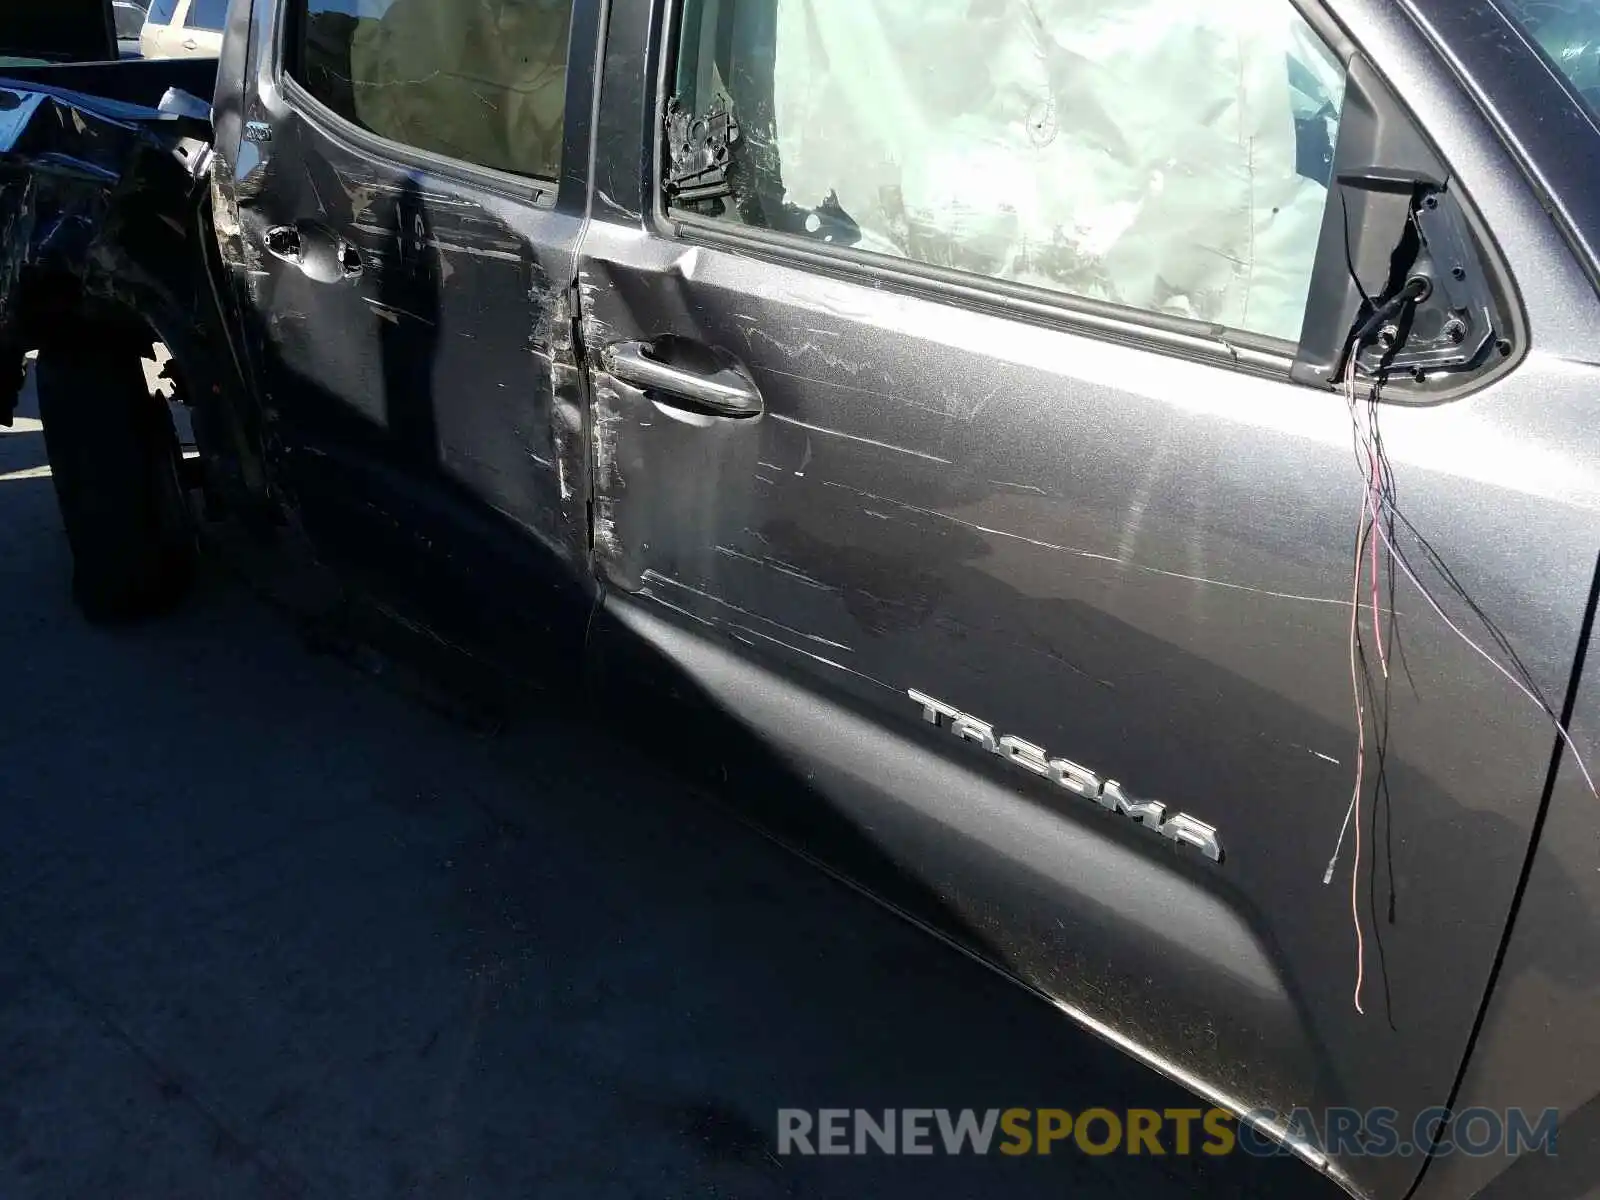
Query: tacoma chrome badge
[[1080, 781]]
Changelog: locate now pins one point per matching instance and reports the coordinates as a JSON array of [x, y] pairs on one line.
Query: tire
[[115, 462]]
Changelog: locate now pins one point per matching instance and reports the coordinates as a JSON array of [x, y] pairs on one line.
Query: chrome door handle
[[191, 44], [724, 392]]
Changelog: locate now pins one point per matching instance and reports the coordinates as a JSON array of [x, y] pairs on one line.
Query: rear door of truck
[[410, 187]]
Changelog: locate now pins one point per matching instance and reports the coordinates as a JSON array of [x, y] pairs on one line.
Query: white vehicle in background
[[183, 29]]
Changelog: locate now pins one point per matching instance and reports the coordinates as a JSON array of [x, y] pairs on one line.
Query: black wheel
[[116, 464]]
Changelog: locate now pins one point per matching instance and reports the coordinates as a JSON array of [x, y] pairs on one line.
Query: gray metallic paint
[[1143, 560], [1126, 542], [435, 445], [1537, 1047], [1117, 542]]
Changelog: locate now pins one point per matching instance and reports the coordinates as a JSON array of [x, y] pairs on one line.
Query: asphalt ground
[[270, 927]]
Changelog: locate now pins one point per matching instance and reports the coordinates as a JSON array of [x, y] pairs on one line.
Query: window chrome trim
[[358, 139], [1254, 353]]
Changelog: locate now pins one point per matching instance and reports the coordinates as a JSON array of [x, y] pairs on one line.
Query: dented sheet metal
[[51, 128], [95, 196]]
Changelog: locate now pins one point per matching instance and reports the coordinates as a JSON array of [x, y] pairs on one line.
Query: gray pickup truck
[[1118, 479]]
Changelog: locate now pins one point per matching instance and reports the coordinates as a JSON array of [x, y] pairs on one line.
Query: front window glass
[[1164, 155]]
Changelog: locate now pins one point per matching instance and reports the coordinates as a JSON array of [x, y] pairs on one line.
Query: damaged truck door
[[941, 371], [411, 247], [952, 427]]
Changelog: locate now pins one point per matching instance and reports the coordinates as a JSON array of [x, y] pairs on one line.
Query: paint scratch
[[827, 662], [652, 576], [780, 567], [1091, 555], [863, 440]]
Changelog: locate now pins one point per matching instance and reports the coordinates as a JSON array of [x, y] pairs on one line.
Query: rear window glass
[[161, 12], [482, 81]]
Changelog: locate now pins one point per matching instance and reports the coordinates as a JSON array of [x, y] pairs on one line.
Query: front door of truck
[[410, 250], [945, 442]]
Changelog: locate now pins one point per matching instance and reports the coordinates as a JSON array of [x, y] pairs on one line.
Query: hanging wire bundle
[[1385, 542]]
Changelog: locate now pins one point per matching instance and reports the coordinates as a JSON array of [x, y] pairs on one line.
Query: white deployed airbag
[[1136, 151]]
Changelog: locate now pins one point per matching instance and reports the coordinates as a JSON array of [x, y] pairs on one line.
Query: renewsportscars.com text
[[1377, 1132]]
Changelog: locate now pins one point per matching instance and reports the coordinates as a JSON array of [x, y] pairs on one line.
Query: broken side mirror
[[1398, 269]]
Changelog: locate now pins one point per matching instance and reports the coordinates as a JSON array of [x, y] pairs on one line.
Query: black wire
[[1379, 704], [1380, 787], [1436, 560], [1380, 783], [1390, 495], [1395, 644], [1350, 263], [1432, 555], [1413, 290], [1388, 512]]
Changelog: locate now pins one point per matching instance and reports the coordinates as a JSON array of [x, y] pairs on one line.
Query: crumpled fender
[[98, 210]]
